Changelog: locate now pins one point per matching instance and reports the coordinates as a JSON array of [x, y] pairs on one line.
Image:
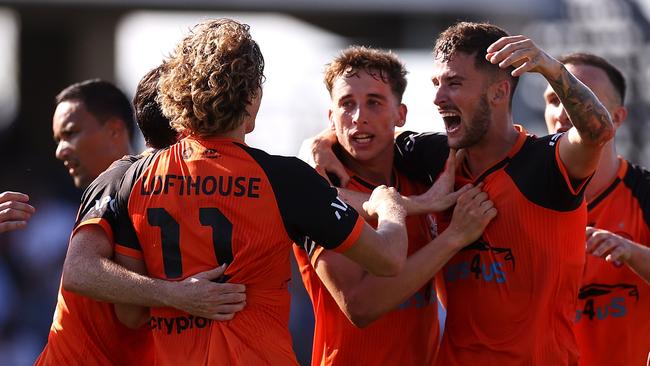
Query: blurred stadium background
[[46, 45]]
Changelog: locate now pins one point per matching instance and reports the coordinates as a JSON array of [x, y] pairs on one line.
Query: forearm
[[376, 296], [104, 280], [391, 227], [639, 261], [586, 112]]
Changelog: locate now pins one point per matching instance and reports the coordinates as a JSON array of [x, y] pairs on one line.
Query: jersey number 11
[[170, 237]]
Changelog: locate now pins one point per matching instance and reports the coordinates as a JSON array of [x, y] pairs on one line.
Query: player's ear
[[402, 115], [499, 92], [618, 116], [116, 127], [331, 119]]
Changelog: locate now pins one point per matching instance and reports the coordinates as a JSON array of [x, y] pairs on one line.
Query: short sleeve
[[552, 187], [97, 198], [311, 209]]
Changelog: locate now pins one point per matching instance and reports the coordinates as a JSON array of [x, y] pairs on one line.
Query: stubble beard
[[477, 128]]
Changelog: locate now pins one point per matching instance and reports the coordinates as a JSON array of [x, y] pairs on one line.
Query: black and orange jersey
[[511, 295], [85, 331], [204, 202], [407, 335], [613, 316]]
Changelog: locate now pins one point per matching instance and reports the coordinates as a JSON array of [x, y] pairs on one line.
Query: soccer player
[[400, 313], [14, 211], [511, 295], [85, 331], [211, 199], [613, 322]]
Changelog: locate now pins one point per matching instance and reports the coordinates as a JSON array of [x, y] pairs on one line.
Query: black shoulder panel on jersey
[[421, 156], [123, 228], [637, 179], [310, 208], [536, 173], [96, 198]]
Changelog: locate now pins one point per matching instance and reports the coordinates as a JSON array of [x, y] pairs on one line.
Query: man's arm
[[364, 298], [615, 248], [383, 251], [439, 197], [322, 158], [89, 270], [14, 211], [592, 125]]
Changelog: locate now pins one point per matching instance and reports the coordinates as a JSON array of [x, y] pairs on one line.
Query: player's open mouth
[[362, 138], [452, 121]]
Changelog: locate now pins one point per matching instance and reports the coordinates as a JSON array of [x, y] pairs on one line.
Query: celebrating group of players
[[180, 255]]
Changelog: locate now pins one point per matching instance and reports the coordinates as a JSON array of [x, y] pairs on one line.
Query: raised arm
[[364, 298], [615, 248], [90, 271], [592, 127]]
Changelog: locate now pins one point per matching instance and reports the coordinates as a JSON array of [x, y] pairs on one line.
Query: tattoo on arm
[[586, 112]]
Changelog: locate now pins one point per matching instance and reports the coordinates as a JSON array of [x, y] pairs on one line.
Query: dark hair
[[615, 76], [211, 79], [384, 64], [473, 39], [156, 129], [101, 99]]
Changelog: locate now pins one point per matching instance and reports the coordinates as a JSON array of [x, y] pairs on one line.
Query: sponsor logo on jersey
[[177, 324], [488, 265], [605, 301]]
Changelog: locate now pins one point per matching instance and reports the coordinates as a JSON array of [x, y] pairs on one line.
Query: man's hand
[[441, 195], [323, 158], [385, 201], [523, 54], [200, 296], [609, 246], [14, 211], [471, 215]]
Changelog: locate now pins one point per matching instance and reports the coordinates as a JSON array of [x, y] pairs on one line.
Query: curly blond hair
[[212, 77], [380, 64]]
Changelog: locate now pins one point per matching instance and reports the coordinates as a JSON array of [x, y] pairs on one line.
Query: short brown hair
[[614, 75], [382, 64], [472, 39], [211, 78]]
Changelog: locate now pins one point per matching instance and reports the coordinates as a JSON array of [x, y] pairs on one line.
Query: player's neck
[[238, 134], [605, 173], [493, 147], [378, 170]]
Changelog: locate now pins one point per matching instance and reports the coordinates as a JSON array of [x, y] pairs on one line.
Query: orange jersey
[[511, 295], [613, 316], [407, 335], [85, 331], [205, 202]]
